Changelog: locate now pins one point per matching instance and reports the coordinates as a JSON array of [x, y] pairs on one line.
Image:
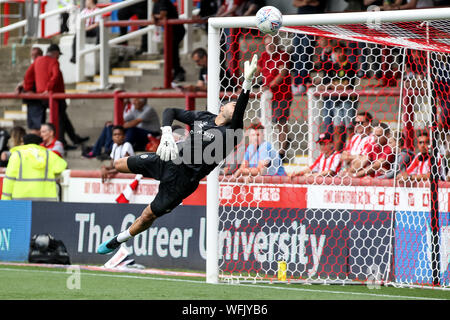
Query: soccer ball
[[269, 19]]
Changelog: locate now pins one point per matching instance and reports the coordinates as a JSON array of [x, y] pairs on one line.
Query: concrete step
[[88, 86], [116, 79], [129, 72], [147, 64], [15, 115], [6, 123]]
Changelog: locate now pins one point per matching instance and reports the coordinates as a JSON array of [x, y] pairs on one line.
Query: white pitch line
[[244, 285]]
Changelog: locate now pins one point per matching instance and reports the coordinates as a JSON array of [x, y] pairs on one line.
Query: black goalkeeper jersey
[[207, 144]]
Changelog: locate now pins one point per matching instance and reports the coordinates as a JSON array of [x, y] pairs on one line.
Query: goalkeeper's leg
[[139, 225]]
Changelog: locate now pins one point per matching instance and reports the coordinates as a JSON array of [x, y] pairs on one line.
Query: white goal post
[[216, 28]]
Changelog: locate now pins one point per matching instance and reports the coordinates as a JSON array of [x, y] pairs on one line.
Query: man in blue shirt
[[260, 157]]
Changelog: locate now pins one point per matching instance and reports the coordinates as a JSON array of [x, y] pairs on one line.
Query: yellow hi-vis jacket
[[30, 174]]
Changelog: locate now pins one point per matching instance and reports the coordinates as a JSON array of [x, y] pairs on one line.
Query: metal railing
[[42, 17], [105, 42], [117, 96]]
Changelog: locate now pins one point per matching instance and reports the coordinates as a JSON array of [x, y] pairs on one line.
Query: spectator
[[208, 8], [91, 26], [63, 16], [408, 4], [440, 73], [420, 168], [141, 122], [4, 137], [403, 157], [260, 157], [250, 7], [16, 135], [44, 74], [36, 111], [163, 10], [326, 56], [200, 57], [141, 11], [377, 157], [49, 140], [228, 8], [120, 149], [339, 110], [103, 146], [30, 175], [355, 145], [274, 66], [304, 46], [329, 161]]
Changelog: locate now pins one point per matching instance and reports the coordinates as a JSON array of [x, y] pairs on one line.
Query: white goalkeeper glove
[[249, 72], [167, 149]]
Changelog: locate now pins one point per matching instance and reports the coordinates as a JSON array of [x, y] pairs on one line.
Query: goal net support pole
[[212, 192]]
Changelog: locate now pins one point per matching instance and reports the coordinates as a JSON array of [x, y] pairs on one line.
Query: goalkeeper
[[179, 171]]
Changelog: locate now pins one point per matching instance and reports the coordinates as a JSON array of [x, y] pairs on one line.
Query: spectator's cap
[[324, 137], [31, 139], [54, 47]]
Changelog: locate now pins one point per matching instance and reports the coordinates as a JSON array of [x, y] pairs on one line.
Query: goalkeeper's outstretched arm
[[237, 121]]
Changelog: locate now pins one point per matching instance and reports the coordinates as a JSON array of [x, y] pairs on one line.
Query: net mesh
[[342, 176]]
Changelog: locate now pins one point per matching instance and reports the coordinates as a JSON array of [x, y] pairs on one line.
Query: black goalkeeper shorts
[[177, 182]]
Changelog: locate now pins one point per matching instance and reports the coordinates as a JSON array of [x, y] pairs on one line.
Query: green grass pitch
[[36, 283]]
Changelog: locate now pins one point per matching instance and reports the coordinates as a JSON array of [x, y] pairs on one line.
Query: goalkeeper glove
[[249, 72], [167, 149]]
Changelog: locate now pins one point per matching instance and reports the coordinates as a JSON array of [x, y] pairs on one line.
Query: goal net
[[343, 174]]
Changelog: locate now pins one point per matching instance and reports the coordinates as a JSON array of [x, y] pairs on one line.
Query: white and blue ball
[[269, 20]]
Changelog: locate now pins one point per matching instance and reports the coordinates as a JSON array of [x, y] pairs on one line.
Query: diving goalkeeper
[[180, 168]]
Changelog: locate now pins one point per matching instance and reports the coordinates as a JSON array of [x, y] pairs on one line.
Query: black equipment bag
[[46, 249]]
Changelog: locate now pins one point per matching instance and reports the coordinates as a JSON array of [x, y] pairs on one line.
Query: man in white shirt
[[120, 149]]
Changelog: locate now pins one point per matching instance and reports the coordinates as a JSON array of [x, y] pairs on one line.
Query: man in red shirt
[[274, 65], [35, 109], [45, 76], [377, 155]]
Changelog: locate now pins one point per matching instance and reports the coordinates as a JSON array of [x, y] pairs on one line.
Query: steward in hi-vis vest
[[31, 171]]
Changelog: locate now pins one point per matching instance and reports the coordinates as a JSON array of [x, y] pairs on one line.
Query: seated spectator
[[15, 139], [49, 140], [403, 157], [91, 26], [329, 161], [120, 149], [377, 156], [355, 145], [420, 168], [200, 57], [103, 146], [260, 157], [141, 122]]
